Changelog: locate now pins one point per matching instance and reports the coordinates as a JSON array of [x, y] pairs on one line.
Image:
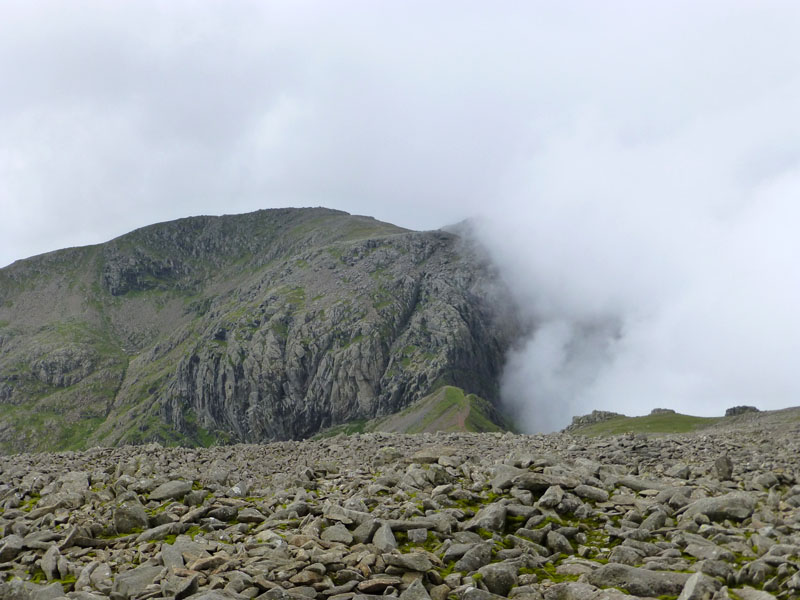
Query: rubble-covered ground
[[714, 514]]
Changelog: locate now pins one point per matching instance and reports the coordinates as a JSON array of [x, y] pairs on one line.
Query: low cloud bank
[[657, 275]]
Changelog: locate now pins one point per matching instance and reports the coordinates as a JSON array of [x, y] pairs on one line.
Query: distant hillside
[[664, 421], [265, 326], [447, 409], [654, 423]]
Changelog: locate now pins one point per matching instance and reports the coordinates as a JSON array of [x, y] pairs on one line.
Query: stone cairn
[[458, 516]]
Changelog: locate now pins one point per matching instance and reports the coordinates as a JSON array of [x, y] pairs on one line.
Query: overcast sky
[[637, 163]]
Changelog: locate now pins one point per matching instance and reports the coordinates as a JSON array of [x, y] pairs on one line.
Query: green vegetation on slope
[[662, 423], [447, 409]]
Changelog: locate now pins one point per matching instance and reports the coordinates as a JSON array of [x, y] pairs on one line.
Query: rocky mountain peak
[[257, 327]]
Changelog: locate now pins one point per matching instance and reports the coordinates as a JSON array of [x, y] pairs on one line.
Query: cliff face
[[255, 327]]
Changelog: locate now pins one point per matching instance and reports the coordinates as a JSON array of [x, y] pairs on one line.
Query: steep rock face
[[254, 327], [317, 354]]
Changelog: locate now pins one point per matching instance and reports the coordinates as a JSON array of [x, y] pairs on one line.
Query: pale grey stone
[[171, 490], [415, 591], [337, 533], [503, 476], [162, 531], [10, 546], [384, 539], [735, 505], [491, 518], [130, 516], [570, 590], [558, 543], [54, 591], [499, 578], [723, 467], [131, 584], [699, 587], [476, 557], [473, 593], [748, 593], [250, 515], [413, 561], [588, 492], [49, 563], [640, 582], [364, 532]]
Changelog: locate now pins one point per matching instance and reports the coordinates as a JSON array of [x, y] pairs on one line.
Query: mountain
[[447, 409], [248, 328]]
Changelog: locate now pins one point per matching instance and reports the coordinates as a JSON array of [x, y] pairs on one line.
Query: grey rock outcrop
[[247, 328], [740, 410], [596, 416]]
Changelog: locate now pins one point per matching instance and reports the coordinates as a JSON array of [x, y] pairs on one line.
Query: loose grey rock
[[84, 595], [384, 539], [161, 532], [250, 515], [377, 585], [499, 578], [552, 497], [503, 476], [337, 533], [415, 591], [171, 556], [130, 516], [589, 492], [639, 582], [748, 593], [49, 563], [364, 532], [10, 546], [723, 467], [474, 558], [679, 471], [581, 591], [491, 518], [735, 505], [413, 561], [301, 490], [473, 593], [172, 490], [699, 587], [417, 536], [54, 591], [217, 595], [132, 584], [558, 543]]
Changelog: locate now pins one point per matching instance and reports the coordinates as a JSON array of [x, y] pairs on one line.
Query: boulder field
[[710, 515]]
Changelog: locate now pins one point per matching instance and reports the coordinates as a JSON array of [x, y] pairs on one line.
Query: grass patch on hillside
[[45, 430], [441, 409], [349, 428], [452, 400], [669, 423], [437, 412], [477, 419]]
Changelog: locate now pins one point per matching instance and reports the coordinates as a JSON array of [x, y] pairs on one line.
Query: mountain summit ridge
[[257, 327]]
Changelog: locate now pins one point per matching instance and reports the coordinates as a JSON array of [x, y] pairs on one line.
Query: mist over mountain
[[249, 328]]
